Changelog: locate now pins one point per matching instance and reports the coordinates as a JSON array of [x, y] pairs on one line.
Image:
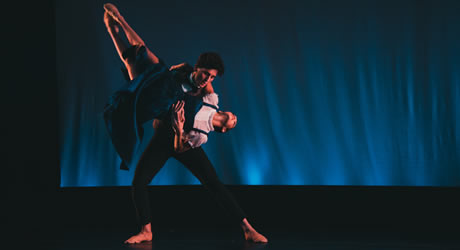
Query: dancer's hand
[[176, 66], [178, 116]]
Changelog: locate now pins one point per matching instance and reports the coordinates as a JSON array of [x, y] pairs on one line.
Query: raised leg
[[131, 35]]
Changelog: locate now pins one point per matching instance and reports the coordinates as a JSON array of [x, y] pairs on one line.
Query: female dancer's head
[[223, 121]]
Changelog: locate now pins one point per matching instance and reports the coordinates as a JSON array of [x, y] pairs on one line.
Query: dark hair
[[210, 60], [182, 72], [218, 129]]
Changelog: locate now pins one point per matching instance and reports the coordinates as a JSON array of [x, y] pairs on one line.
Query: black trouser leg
[[200, 166], [151, 161]]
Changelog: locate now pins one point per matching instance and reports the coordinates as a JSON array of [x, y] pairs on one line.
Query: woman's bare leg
[[113, 20], [114, 31], [131, 35]]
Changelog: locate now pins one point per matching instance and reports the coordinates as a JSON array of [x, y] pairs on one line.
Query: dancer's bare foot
[[255, 237], [113, 11], [144, 235], [112, 25], [140, 237], [250, 234]]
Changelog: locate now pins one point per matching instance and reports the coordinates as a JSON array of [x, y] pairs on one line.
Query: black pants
[[158, 151]]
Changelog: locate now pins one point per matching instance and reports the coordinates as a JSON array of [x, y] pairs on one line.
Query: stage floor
[[113, 239], [188, 219]]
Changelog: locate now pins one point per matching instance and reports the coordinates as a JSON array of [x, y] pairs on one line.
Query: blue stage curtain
[[327, 92]]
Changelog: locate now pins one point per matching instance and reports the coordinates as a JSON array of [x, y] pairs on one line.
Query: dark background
[[326, 92], [37, 204]]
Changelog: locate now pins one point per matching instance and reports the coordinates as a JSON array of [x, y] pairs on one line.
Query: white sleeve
[[197, 139], [203, 140], [212, 99]]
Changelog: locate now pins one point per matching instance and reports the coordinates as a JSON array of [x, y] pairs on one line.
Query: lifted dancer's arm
[[178, 120]]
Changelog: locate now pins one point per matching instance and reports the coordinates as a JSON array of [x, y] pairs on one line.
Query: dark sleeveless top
[[192, 105], [148, 96]]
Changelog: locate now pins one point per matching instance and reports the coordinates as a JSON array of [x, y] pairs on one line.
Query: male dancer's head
[[207, 67]]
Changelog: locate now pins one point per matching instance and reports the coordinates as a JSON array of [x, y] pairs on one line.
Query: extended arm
[[178, 120]]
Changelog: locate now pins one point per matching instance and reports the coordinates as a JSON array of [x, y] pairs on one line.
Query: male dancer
[[161, 146]]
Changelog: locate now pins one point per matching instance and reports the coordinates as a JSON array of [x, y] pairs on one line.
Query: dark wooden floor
[[86, 238], [186, 218]]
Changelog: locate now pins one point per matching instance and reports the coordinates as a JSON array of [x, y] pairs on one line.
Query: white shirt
[[203, 121]]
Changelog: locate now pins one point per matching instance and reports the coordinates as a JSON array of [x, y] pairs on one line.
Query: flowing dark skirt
[[148, 96]]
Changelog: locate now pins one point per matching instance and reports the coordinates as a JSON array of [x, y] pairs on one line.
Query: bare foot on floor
[[254, 236], [250, 234], [140, 237]]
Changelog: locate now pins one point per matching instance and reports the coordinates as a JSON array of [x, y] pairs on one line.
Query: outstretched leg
[[114, 32], [133, 38], [200, 166], [131, 35]]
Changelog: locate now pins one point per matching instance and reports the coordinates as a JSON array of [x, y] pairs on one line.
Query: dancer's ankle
[[147, 228], [246, 226]]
